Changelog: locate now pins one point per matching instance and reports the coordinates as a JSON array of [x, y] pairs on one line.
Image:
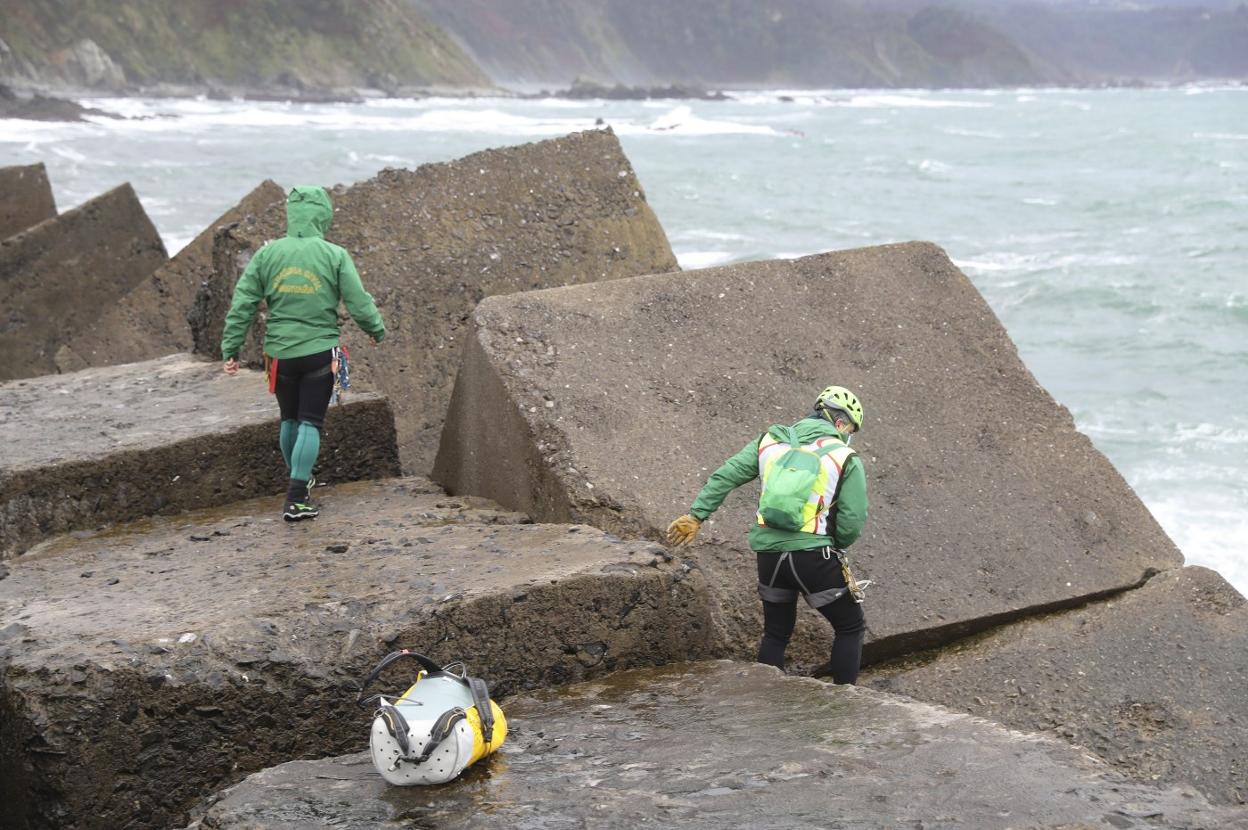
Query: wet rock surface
[[430, 243], [1154, 682], [122, 442], [719, 745], [59, 276], [25, 198], [174, 656], [986, 502], [151, 320]]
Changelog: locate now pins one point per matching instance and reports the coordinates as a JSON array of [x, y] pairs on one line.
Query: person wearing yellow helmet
[[812, 506]]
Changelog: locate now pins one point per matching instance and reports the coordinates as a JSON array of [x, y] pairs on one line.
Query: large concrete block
[[716, 745], [123, 442], [1155, 682], [151, 320], [611, 404], [59, 276], [25, 198], [430, 243], [145, 668]]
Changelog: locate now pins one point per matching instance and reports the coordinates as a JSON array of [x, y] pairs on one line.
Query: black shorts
[[304, 387]]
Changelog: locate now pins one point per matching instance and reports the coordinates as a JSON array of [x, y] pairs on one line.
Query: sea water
[[1108, 229]]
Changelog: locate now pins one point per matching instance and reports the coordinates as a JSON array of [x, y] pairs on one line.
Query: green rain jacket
[[301, 278], [851, 502]]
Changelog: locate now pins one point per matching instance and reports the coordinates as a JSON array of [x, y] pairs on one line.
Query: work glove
[[682, 531]]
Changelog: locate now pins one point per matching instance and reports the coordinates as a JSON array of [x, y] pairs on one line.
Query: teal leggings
[[301, 444]]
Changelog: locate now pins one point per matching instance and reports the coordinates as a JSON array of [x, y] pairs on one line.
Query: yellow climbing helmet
[[838, 397]]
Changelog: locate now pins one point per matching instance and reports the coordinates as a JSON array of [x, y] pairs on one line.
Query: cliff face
[[1115, 42], [307, 45], [733, 42]]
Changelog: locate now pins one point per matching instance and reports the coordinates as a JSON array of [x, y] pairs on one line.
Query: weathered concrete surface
[[151, 320], [430, 243], [718, 745], [173, 657], [1154, 682], [611, 404], [25, 198], [159, 437], [59, 276]]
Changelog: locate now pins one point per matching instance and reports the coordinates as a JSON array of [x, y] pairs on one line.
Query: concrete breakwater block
[[714, 745], [145, 668], [123, 442], [25, 198], [59, 276], [1154, 682], [611, 404], [151, 320], [430, 243]]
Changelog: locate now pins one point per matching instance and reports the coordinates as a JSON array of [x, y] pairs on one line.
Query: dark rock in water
[[1154, 682], [58, 277], [43, 108], [611, 404], [25, 198], [124, 442], [430, 243], [151, 320], [716, 745], [204, 661], [582, 90]]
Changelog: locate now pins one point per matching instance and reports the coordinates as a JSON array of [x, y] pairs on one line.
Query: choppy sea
[[1108, 229]]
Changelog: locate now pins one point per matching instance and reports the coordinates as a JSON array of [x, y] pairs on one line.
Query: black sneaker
[[299, 510]]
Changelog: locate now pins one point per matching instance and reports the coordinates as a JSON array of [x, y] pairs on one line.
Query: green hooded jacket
[[301, 279], [851, 502]]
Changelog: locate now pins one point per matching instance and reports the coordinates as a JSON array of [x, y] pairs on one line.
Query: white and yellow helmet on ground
[[443, 724]]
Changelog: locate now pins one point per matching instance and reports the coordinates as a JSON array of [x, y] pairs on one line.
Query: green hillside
[[807, 43], [248, 44]]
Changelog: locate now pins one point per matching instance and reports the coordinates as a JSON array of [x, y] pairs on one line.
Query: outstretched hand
[[683, 530]]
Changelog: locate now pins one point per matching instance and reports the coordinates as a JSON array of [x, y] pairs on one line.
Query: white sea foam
[[959, 131], [1222, 136], [909, 101], [701, 233], [931, 167], [1040, 201], [1212, 532], [175, 243], [693, 260], [682, 121]]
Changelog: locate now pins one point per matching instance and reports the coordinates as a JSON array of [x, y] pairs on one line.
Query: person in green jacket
[[813, 505], [302, 279]]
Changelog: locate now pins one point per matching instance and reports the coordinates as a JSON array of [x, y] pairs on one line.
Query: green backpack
[[796, 485]]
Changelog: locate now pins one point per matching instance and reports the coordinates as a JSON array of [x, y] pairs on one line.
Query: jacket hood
[[810, 428], [308, 211]]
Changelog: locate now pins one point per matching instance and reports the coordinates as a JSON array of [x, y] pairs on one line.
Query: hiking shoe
[[298, 510]]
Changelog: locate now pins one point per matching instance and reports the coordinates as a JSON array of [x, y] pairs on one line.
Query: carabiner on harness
[[856, 589]]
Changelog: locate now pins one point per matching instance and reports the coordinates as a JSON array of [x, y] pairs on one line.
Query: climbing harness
[[817, 599], [340, 365]]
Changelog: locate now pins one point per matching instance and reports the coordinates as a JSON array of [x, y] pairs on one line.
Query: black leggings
[[304, 387], [816, 573]]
